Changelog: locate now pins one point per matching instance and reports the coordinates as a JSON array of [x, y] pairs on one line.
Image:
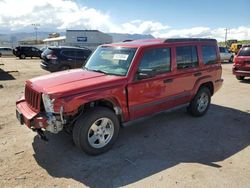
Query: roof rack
[[189, 40]]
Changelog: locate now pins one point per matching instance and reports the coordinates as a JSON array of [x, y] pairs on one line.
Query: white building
[[87, 38], [55, 41]]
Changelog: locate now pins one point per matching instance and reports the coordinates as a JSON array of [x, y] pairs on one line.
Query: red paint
[[74, 88]]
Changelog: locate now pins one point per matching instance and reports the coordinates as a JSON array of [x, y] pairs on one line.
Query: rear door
[[149, 93], [35, 52], [186, 72], [68, 58]]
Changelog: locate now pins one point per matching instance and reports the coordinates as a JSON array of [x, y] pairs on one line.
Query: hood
[[70, 81]]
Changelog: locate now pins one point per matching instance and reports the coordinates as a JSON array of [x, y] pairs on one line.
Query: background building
[[87, 38]]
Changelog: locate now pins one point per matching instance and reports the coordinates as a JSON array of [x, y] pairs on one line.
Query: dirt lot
[[170, 149]]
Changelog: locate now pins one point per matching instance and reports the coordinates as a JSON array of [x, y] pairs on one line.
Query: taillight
[[51, 56], [238, 61]]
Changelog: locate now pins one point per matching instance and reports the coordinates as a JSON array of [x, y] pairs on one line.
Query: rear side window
[[209, 54], [186, 57], [245, 51], [156, 59], [69, 53]]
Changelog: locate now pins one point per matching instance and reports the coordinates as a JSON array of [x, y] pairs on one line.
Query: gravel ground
[[169, 149]]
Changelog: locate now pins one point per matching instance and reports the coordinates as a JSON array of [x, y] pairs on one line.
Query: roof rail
[[189, 40], [127, 40]]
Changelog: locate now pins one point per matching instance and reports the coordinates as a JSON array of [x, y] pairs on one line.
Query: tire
[[89, 133], [240, 77], [200, 103], [231, 59], [22, 56]]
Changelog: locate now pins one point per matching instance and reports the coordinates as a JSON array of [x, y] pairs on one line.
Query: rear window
[[69, 53], [245, 51], [48, 51], [209, 54]]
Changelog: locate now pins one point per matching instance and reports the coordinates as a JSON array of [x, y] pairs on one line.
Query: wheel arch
[[209, 85], [109, 103], [204, 82]]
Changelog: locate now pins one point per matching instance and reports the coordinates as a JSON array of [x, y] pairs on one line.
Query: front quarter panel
[[115, 94]]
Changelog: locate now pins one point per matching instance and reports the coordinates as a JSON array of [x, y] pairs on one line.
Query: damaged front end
[[36, 111]]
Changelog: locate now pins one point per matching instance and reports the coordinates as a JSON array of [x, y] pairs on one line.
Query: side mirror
[[145, 73]]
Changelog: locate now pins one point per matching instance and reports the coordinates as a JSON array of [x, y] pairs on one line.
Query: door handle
[[197, 74], [168, 81]]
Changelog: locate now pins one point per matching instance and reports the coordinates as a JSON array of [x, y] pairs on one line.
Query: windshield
[[111, 60]]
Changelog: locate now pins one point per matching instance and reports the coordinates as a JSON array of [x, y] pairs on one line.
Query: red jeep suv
[[122, 82], [241, 67]]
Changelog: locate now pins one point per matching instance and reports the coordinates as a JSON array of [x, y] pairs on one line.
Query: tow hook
[[41, 134]]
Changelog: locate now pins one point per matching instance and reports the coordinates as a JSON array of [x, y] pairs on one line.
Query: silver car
[[225, 55], [4, 51]]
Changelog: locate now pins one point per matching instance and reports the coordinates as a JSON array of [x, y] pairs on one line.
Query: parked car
[[241, 67], [122, 82], [26, 51], [4, 51], [225, 55], [62, 58]]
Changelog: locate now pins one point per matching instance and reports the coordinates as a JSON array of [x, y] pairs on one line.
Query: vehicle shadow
[[245, 81], [5, 75], [149, 146]]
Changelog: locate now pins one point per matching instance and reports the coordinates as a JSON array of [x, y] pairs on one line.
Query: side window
[[156, 59], [79, 53], [186, 57], [209, 54], [68, 53]]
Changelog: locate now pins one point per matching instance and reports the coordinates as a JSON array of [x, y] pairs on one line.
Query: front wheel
[[96, 130], [200, 103]]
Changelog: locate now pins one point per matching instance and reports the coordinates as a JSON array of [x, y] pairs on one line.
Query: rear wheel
[[96, 130], [200, 103], [22, 56], [240, 77]]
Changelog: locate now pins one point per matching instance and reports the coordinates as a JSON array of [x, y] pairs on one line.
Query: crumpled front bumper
[[29, 117]]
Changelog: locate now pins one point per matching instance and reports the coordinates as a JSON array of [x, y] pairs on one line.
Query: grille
[[33, 98]]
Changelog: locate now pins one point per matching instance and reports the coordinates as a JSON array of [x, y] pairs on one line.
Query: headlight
[[48, 103]]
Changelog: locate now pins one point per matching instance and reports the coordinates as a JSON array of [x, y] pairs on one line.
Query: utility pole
[[35, 25], [226, 37]]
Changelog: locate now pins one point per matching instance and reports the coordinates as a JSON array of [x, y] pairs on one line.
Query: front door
[[152, 87]]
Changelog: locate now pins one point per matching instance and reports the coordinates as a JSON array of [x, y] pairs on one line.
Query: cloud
[[56, 14], [240, 33], [59, 15]]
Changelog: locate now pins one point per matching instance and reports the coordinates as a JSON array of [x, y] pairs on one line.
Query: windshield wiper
[[101, 71], [96, 70]]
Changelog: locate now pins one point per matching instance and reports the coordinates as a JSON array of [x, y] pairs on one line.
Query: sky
[[161, 18]]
